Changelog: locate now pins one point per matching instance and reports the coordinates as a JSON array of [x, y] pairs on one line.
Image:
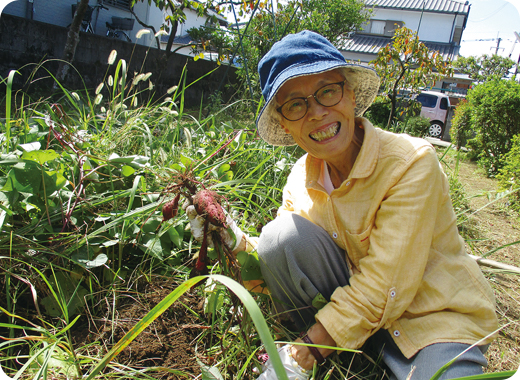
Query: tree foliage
[[407, 64], [495, 118], [331, 18], [175, 15], [486, 67], [509, 173]]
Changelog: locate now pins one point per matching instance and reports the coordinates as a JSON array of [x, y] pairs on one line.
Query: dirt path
[[491, 227]]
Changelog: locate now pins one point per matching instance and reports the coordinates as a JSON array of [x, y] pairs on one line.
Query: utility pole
[[518, 62], [498, 45]]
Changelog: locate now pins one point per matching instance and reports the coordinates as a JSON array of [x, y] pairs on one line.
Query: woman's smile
[[325, 133]]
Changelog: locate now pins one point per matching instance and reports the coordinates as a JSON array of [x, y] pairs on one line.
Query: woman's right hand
[[231, 236]]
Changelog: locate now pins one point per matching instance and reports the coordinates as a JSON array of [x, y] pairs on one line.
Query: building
[[103, 13], [439, 25]]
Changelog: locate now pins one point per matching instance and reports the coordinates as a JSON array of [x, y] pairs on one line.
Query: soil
[[167, 346]]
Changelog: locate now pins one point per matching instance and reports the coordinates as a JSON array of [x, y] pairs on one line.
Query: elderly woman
[[365, 245]]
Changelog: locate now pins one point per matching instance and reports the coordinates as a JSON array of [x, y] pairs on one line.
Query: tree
[[72, 41], [495, 118], [174, 10], [406, 64], [486, 67], [331, 18]]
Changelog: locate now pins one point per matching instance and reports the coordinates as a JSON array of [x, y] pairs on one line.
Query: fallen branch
[[495, 264]]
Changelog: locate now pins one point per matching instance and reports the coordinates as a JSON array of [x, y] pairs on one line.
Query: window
[[381, 27], [444, 104], [428, 101], [118, 3]]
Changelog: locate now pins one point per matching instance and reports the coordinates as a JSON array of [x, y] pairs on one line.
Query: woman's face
[[324, 132]]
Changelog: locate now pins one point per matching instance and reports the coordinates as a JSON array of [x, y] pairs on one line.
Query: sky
[[489, 20]]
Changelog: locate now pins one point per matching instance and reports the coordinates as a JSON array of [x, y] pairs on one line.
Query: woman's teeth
[[325, 134]]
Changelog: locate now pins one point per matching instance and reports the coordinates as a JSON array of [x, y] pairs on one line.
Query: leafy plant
[[461, 128], [486, 67], [509, 173], [406, 65], [417, 126], [495, 117]]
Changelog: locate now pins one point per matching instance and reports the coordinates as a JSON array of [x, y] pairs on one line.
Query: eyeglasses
[[327, 96]]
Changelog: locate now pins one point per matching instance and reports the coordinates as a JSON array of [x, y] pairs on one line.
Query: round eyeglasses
[[327, 96]]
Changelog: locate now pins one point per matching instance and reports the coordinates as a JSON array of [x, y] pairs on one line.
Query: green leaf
[[174, 236], [150, 226], [209, 373], [249, 266], [69, 293], [127, 171], [40, 156], [58, 359]]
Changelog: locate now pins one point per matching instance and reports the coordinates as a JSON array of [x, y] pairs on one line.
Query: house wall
[[26, 43], [434, 26], [59, 12]]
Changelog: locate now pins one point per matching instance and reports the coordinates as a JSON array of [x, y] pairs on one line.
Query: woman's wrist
[[318, 335]]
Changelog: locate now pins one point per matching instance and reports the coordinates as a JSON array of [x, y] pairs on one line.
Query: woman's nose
[[315, 110]]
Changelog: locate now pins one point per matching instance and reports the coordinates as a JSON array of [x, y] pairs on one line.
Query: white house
[[59, 12], [438, 23]]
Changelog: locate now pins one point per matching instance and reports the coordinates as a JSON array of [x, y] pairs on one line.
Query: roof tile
[[443, 6]]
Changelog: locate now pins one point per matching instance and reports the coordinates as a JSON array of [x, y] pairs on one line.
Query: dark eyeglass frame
[[306, 100]]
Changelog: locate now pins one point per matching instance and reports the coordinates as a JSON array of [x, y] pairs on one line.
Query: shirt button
[[348, 183], [392, 294], [397, 333], [334, 235]]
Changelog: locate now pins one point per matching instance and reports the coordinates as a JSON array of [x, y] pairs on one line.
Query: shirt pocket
[[358, 244]]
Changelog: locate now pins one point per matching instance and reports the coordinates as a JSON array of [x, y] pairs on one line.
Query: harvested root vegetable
[[202, 260], [171, 208], [207, 203]]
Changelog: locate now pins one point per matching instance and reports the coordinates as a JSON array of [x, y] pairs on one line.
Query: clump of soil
[[169, 342]]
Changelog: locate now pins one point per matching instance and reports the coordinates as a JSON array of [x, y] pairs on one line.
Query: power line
[[490, 15]]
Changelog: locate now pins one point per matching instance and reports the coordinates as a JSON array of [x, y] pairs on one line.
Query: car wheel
[[436, 129]]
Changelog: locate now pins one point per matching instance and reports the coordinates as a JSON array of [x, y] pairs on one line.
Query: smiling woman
[[365, 246], [355, 253]]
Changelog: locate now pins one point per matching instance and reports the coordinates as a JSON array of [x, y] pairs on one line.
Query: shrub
[[417, 126], [379, 112], [495, 117], [461, 130], [509, 173]]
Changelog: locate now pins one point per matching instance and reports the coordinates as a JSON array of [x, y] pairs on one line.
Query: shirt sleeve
[[390, 274]]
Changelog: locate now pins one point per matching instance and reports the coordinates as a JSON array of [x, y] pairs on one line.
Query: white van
[[435, 107]]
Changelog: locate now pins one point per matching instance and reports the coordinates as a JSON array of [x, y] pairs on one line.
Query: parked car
[[435, 107]]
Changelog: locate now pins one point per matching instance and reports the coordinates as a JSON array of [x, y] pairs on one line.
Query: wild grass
[[82, 180]]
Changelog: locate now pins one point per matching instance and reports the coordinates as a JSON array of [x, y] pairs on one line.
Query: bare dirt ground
[[493, 226]]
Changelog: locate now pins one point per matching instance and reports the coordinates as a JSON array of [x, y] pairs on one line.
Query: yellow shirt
[[410, 273]]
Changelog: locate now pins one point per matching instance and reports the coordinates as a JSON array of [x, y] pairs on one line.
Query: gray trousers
[[302, 266]]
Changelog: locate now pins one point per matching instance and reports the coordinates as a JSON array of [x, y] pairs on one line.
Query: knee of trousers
[[290, 235]]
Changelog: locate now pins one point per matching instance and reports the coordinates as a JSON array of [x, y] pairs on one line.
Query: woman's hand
[[232, 236], [318, 335]]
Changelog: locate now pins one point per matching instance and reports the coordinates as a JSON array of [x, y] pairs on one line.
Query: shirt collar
[[365, 162]]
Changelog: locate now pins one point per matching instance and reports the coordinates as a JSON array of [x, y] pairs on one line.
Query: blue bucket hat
[[300, 54]]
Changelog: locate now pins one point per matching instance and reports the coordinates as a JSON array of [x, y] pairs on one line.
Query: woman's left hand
[[318, 335]]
